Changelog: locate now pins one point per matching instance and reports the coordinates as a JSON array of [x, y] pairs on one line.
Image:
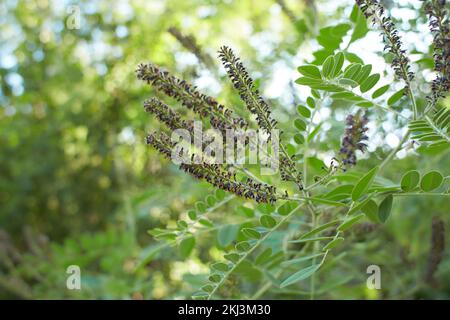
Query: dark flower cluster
[[189, 42], [288, 171], [222, 178], [437, 12], [161, 142], [375, 12], [205, 106], [166, 115], [218, 175], [354, 138], [246, 88]]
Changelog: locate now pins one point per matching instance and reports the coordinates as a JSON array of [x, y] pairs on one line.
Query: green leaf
[[430, 181], [299, 138], [251, 233], [310, 71], [227, 234], [300, 275], [304, 240], [302, 259], [315, 94], [304, 111], [265, 208], [192, 215], [208, 288], [330, 37], [360, 29], [200, 206], [243, 246], [311, 102], [182, 224], [371, 210], [364, 183], [380, 91], [333, 243], [352, 71], [348, 82], [267, 221], [338, 63], [263, 257], [246, 211], [186, 246], [210, 200], [385, 208], [300, 124], [306, 81], [233, 257], [326, 201], [215, 278], [364, 73], [370, 82], [220, 194], [314, 132], [340, 192], [328, 66], [350, 222], [395, 97], [349, 96], [353, 58], [220, 266], [410, 180], [319, 229], [206, 223], [286, 208]]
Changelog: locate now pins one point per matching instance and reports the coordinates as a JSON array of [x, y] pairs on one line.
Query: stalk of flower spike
[[246, 88], [354, 138], [218, 175], [189, 42], [205, 106], [287, 11], [166, 115], [375, 12], [439, 26]]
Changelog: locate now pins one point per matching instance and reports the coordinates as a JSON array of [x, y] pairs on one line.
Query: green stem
[[246, 254]]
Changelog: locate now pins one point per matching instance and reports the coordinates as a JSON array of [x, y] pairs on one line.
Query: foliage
[[363, 151]]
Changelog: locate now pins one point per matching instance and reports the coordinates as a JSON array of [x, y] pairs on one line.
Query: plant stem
[[246, 254]]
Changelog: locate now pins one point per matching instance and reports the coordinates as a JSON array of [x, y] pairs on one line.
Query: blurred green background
[[79, 186]]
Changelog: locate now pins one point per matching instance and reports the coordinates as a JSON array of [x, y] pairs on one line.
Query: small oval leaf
[[430, 181], [310, 71], [370, 82], [267, 221], [251, 233], [300, 124], [385, 207], [304, 111], [328, 66], [395, 97], [410, 180], [380, 91]]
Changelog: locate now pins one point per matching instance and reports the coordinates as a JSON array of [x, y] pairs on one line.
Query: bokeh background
[[79, 186]]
